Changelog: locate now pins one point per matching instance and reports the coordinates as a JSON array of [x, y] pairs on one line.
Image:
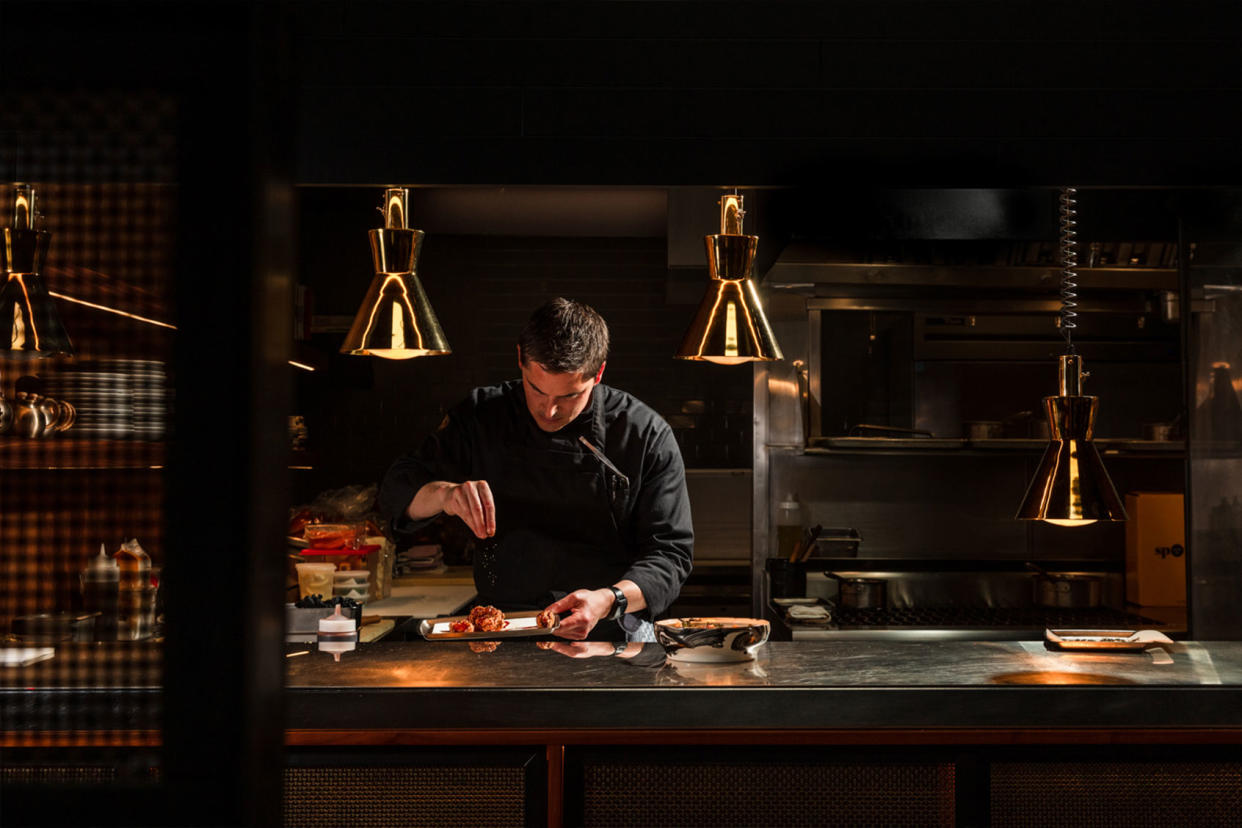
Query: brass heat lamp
[[1071, 486], [730, 326], [30, 324], [396, 320]]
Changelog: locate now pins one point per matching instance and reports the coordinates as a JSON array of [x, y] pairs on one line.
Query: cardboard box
[[1156, 549]]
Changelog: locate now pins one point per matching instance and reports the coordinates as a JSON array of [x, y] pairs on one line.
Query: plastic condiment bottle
[[135, 566], [100, 583], [788, 525]]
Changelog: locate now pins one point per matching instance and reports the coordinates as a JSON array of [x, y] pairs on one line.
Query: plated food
[[489, 622]]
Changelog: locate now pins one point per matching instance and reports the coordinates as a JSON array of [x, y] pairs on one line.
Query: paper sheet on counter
[[421, 601]]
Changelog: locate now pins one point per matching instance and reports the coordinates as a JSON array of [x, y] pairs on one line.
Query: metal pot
[[983, 430], [860, 593], [1064, 591]]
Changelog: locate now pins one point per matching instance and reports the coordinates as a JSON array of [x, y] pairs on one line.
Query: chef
[[576, 490]]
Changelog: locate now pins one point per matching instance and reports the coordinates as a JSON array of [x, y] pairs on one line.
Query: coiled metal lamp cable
[[1069, 263]]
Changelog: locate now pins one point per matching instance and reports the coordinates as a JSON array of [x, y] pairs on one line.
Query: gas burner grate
[[1034, 617]]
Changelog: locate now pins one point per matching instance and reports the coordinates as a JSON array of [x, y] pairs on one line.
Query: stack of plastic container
[[352, 583]]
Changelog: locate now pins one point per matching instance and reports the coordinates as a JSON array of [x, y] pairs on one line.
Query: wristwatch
[[619, 648], [619, 603]]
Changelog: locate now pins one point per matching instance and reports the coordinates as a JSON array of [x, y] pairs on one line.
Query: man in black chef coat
[[601, 537]]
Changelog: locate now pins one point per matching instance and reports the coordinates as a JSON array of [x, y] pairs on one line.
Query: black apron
[[557, 515]]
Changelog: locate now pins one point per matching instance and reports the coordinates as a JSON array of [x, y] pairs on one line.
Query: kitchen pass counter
[[791, 685]]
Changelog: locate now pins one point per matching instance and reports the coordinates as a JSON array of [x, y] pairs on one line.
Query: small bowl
[[712, 639]]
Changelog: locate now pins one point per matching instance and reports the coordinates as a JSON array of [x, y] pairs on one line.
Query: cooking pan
[[860, 593], [1065, 591]]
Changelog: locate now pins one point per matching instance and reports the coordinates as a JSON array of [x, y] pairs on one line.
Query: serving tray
[[521, 625], [1125, 640]]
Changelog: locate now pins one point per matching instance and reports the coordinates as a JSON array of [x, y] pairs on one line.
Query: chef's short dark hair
[[565, 337]]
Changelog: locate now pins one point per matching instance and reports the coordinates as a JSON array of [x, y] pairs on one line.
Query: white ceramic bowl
[[712, 639]]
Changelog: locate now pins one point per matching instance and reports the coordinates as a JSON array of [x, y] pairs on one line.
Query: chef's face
[[555, 400]]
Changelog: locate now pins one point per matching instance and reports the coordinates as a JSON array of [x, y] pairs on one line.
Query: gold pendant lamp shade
[[396, 320], [730, 326], [1071, 487], [30, 324]]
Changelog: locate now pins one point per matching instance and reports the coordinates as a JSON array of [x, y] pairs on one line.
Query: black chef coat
[[564, 521]]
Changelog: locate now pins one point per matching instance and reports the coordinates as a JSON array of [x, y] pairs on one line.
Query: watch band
[[619, 603], [619, 648]]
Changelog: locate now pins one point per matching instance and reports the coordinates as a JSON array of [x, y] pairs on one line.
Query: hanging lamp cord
[[1069, 264]]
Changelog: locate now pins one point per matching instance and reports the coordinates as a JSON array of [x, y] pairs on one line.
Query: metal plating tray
[[1130, 640], [520, 625]]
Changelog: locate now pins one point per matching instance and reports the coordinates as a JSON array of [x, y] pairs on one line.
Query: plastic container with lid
[[135, 565], [788, 525]]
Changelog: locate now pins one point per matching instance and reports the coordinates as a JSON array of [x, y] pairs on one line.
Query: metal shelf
[[79, 453], [925, 446]]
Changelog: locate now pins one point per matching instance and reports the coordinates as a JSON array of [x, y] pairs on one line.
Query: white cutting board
[[421, 601]]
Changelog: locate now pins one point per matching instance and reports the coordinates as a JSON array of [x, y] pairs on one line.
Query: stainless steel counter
[[791, 685]]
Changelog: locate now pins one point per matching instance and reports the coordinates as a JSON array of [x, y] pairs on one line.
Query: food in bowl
[[712, 639]]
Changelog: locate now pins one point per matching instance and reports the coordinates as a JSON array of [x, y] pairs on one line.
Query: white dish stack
[[116, 399], [352, 583]]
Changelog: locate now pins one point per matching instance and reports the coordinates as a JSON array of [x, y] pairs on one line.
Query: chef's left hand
[[585, 607]]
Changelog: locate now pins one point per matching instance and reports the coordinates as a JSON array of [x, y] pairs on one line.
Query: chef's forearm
[[429, 500]]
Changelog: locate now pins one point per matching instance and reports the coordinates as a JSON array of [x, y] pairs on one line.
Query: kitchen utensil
[[712, 639], [50, 409], [812, 535], [860, 593], [1065, 590], [786, 579], [29, 420]]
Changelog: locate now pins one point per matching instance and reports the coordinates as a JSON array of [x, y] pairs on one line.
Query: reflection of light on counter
[[408, 675], [1055, 677]]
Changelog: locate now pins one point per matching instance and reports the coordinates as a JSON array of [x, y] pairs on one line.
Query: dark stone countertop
[[811, 685]]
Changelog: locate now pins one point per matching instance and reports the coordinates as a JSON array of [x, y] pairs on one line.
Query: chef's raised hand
[[585, 607], [472, 502]]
